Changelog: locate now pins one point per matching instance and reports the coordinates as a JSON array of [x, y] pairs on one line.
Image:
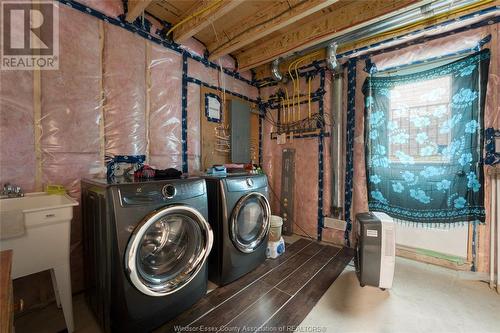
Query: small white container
[[275, 249], [275, 229]]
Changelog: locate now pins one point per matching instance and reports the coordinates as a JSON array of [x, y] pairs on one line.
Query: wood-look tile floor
[[275, 297]]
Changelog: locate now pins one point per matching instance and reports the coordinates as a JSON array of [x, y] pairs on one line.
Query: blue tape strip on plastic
[[207, 113], [492, 157], [476, 48], [143, 31], [201, 83], [184, 113], [321, 161], [351, 111], [262, 112]]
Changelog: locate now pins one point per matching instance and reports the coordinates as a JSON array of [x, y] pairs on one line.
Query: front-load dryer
[[239, 212], [146, 246]]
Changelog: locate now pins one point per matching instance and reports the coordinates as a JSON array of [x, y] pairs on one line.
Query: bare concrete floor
[[424, 298]]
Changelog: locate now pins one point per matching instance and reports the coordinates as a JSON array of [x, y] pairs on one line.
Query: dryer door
[[250, 222], [167, 250]]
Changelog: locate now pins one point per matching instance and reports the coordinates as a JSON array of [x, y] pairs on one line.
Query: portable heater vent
[[376, 250]]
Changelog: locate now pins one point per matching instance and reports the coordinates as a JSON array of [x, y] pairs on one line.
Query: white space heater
[[376, 250]]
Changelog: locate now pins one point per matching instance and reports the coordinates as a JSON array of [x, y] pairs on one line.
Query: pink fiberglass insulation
[[199, 71], [215, 78], [112, 8], [71, 107], [193, 128], [156, 25], [430, 49], [240, 87], [71, 95], [17, 142], [165, 147], [227, 62], [306, 181], [306, 170], [125, 92], [193, 46]]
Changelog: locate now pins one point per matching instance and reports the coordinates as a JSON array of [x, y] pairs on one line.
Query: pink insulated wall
[[115, 93]]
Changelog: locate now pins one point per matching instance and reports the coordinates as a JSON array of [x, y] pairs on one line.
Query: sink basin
[[36, 201], [44, 220], [37, 228]]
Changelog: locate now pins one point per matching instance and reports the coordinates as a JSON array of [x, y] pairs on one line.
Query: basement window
[[419, 112]]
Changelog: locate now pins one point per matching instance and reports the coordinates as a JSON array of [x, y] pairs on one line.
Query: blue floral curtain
[[424, 143]]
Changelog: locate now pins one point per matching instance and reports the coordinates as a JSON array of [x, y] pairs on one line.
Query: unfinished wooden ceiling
[[256, 32]]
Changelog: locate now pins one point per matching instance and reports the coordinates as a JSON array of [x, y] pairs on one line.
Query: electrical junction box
[[376, 249]]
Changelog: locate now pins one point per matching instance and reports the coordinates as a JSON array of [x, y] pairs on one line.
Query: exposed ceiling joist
[[264, 71], [135, 9], [353, 15], [277, 16], [208, 13]]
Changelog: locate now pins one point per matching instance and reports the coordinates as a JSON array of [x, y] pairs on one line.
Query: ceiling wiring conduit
[[391, 24]]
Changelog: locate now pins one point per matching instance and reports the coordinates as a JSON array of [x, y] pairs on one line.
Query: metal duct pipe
[[337, 145], [409, 17], [331, 56], [275, 70]]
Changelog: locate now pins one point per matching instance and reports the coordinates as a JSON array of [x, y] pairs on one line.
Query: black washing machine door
[[167, 250], [249, 222]]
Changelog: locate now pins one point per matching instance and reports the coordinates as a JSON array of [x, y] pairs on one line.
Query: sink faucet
[[11, 191]]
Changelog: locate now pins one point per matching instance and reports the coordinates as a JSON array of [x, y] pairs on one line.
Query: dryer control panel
[[160, 192]]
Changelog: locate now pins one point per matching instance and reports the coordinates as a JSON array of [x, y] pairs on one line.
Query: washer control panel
[[169, 191], [157, 193]]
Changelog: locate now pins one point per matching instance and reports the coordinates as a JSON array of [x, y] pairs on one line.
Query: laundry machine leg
[[54, 286], [63, 282]]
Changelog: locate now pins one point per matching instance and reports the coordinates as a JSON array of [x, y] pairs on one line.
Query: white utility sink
[[43, 243]]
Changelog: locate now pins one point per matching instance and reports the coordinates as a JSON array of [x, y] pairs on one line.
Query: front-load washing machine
[[146, 246], [239, 212]]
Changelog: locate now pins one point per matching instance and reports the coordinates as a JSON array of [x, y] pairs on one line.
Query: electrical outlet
[[336, 224]]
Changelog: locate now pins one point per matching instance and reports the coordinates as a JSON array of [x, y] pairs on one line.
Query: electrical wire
[[201, 11], [316, 121], [296, 84], [284, 208]]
